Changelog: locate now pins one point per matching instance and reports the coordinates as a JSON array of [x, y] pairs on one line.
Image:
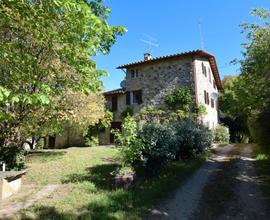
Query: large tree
[[45, 53], [230, 106], [248, 96]]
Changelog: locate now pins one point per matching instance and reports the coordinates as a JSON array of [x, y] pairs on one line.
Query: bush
[[192, 139], [149, 148], [13, 156], [131, 144], [221, 134], [159, 146], [259, 127]]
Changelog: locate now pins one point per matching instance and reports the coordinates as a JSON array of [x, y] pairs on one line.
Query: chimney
[[147, 56]]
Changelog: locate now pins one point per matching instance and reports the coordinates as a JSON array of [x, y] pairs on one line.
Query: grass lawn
[[262, 166], [85, 191]]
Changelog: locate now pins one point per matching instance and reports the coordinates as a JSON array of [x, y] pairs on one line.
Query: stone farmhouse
[[147, 82]]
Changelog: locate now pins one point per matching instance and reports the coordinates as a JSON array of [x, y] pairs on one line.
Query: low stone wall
[[10, 183]]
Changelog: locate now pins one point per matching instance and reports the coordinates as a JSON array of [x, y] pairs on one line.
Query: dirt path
[[9, 207], [225, 187]]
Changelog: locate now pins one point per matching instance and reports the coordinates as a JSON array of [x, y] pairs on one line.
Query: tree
[[255, 70], [245, 99], [230, 106], [255, 66], [45, 50]]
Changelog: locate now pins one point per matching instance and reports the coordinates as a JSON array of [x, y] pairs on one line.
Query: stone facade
[[156, 78]]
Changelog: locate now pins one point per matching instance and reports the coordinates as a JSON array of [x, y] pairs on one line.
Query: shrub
[[192, 138], [221, 134], [13, 156], [149, 148], [127, 112], [259, 127], [131, 144], [159, 146]]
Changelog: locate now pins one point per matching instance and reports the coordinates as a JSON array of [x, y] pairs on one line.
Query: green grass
[[86, 191], [262, 166]]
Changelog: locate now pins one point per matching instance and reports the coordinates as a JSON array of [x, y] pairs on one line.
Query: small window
[[212, 103], [206, 97], [209, 72], [114, 103], [136, 97], [134, 73], [204, 69], [214, 84]]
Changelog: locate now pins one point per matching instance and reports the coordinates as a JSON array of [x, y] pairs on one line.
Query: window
[[204, 69], [212, 103], [136, 97], [114, 103], [206, 97], [127, 98], [214, 84], [210, 73], [134, 73]]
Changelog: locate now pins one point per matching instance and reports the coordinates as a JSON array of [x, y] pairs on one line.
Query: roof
[[200, 53], [114, 92]]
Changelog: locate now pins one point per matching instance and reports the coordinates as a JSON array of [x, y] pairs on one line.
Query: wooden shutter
[[128, 98], [114, 103], [139, 96], [212, 103], [205, 97]]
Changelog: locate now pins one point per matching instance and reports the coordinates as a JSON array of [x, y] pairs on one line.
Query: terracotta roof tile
[[201, 53], [114, 92]]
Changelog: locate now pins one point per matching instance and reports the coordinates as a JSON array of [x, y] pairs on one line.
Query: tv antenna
[[201, 33], [150, 42]]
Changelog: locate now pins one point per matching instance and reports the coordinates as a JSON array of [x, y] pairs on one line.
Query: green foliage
[[231, 107], [180, 105], [200, 110], [46, 50], [192, 138], [127, 112], [91, 141], [245, 98], [159, 147], [259, 126], [151, 113], [131, 144], [151, 146], [221, 134], [180, 98], [91, 136], [13, 156]]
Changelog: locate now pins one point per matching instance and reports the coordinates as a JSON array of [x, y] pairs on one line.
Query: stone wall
[[157, 79]]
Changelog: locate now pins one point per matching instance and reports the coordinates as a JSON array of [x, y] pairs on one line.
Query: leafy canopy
[[46, 49]]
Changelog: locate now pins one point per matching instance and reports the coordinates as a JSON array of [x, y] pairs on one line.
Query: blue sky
[[174, 23]]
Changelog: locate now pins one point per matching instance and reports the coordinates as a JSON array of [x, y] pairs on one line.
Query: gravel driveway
[[225, 187]]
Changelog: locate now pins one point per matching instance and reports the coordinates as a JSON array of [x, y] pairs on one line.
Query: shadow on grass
[[100, 175], [134, 202], [45, 156]]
